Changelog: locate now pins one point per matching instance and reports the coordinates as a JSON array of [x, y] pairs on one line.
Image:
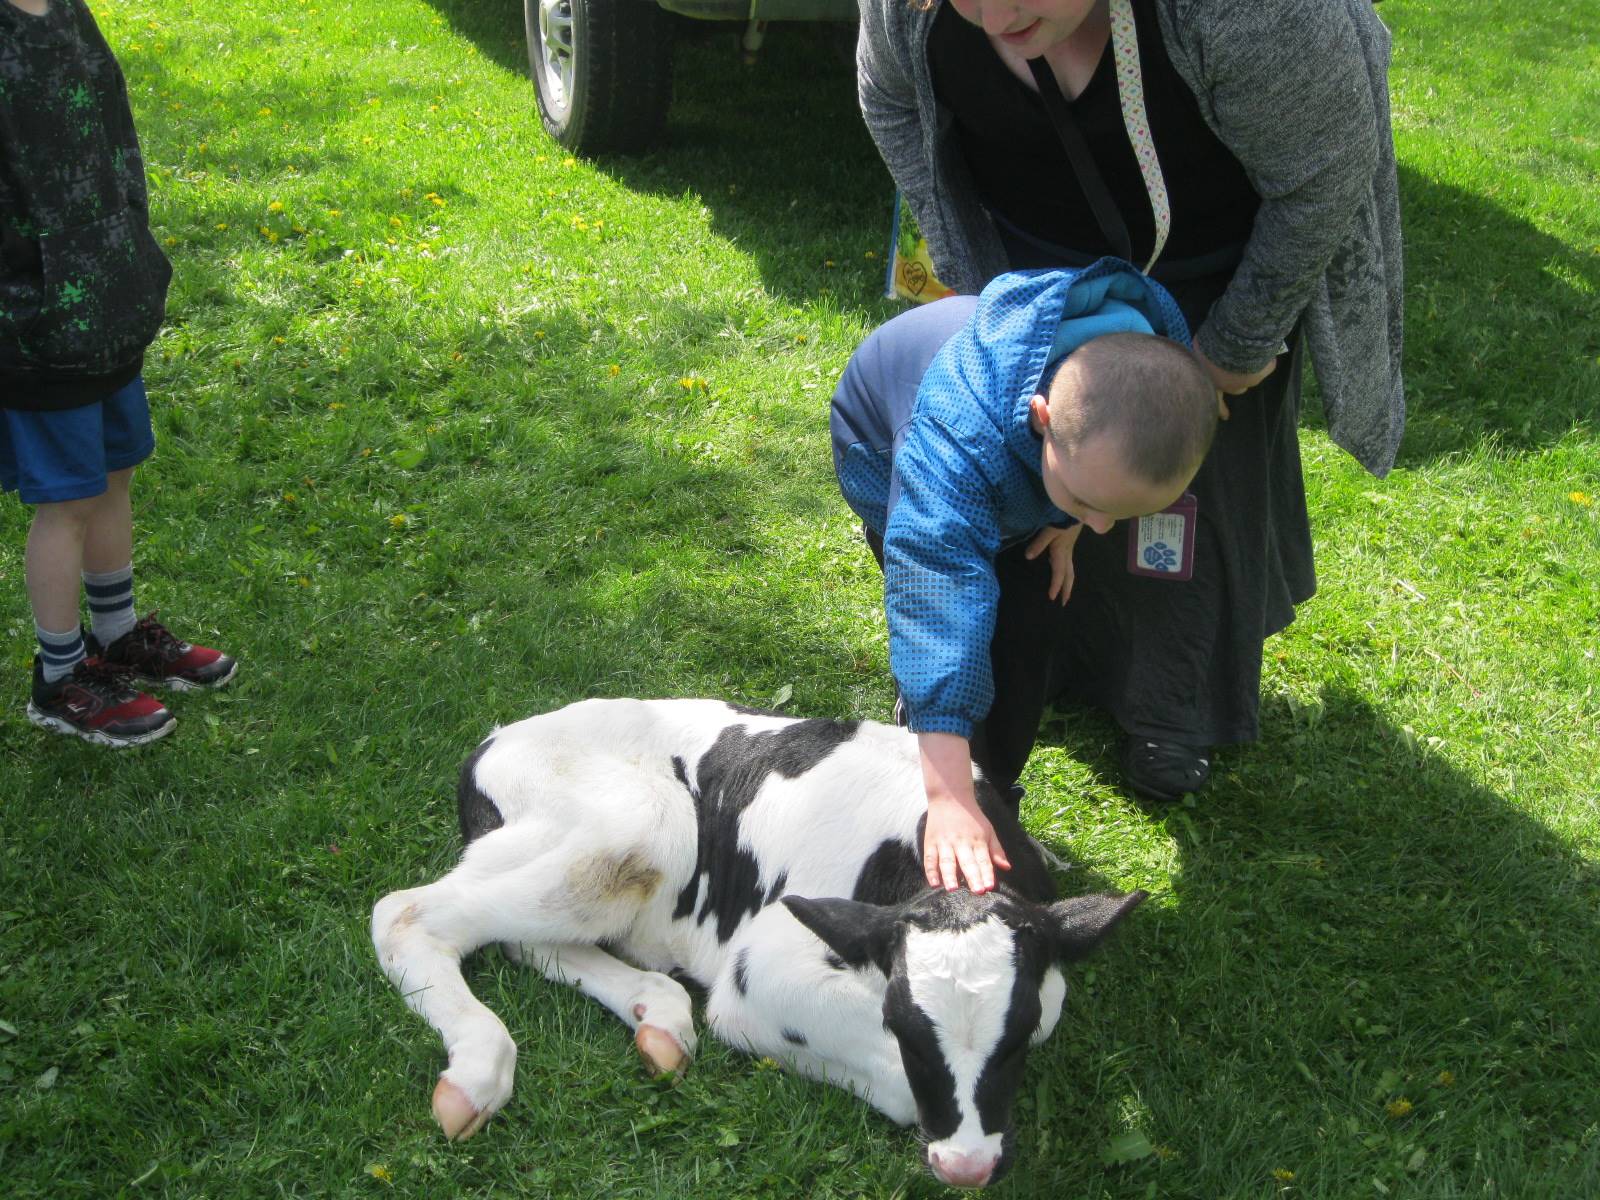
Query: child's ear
[[1039, 408]]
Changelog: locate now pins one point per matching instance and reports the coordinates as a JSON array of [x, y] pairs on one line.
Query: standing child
[[975, 438], [82, 292]]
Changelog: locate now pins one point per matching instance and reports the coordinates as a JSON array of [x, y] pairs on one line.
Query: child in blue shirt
[[82, 292], [973, 427]]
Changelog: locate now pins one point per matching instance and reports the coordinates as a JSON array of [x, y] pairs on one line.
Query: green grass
[[453, 428]]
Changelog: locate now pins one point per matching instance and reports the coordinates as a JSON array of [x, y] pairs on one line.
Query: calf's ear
[[859, 933], [1078, 925]]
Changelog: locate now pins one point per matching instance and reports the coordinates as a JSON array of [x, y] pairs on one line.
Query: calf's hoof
[[457, 1116], [660, 1051]]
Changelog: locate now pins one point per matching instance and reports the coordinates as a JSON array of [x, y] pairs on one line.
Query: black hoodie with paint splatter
[[83, 283]]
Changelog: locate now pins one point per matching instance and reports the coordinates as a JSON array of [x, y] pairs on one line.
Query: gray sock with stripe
[[110, 603], [59, 652]]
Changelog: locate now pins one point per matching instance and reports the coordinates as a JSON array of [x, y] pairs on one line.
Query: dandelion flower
[[399, 520], [1398, 1108], [263, 111], [1283, 1176], [221, 225], [275, 206], [1447, 1079], [613, 370], [1582, 498], [380, 1172]]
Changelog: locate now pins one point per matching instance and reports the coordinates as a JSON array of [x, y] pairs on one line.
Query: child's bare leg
[[53, 561], [108, 543]]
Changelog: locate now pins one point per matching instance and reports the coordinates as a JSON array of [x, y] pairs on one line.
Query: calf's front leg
[[655, 1006]]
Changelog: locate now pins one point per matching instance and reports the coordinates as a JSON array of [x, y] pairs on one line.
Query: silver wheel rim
[[557, 28]]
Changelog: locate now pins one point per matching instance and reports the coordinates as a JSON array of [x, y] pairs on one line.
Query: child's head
[[1127, 422]]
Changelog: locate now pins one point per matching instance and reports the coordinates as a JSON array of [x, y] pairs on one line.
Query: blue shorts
[[48, 457]]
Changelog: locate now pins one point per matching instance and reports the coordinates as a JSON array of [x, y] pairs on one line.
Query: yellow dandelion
[[203, 147], [399, 520], [456, 357], [686, 383], [872, 254], [1446, 1079], [372, 100], [335, 405], [289, 497], [1283, 1176], [221, 226], [439, 200], [303, 581], [263, 111], [335, 212], [1582, 498], [278, 341], [433, 108], [569, 161], [367, 452], [800, 339], [396, 222], [172, 241], [538, 335], [613, 370], [828, 262], [380, 1172], [579, 223], [1398, 1108], [275, 206]]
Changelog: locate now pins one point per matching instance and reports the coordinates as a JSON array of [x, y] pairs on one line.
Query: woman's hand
[[1230, 383], [1059, 544]]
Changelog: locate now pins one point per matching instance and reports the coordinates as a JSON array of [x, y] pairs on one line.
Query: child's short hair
[[1148, 392]]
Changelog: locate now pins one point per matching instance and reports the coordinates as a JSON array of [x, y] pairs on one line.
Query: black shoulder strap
[[1090, 180]]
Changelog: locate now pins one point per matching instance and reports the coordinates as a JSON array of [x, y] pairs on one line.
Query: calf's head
[[973, 982]]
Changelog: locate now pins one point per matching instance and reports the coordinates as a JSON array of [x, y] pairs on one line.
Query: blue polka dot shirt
[[934, 451]]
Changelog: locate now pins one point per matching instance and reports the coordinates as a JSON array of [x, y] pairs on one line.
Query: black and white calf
[[775, 861]]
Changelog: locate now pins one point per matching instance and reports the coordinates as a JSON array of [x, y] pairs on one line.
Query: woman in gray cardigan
[[1273, 210]]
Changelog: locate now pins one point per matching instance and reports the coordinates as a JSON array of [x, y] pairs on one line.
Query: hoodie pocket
[[103, 294]]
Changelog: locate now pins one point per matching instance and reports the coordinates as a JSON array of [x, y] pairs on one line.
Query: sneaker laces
[[107, 679], [153, 640]]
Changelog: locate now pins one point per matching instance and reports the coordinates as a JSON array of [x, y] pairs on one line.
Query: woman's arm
[[1288, 88]]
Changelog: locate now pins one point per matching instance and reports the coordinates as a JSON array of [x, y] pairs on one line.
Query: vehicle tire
[[602, 70]]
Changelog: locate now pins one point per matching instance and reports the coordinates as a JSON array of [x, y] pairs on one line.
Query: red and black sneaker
[[155, 658], [99, 704]]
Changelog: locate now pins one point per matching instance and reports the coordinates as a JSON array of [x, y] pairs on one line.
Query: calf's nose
[[962, 1170]]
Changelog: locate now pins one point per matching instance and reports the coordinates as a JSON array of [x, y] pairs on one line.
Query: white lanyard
[[1130, 91]]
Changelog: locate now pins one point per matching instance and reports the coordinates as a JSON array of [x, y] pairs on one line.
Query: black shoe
[[1164, 770], [97, 703]]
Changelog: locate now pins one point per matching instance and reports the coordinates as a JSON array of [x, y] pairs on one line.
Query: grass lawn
[[454, 428]]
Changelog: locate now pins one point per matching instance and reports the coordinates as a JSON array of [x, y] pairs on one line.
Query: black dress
[[1171, 661]]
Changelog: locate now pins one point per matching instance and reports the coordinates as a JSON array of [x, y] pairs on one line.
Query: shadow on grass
[[1372, 966], [776, 150], [1502, 325]]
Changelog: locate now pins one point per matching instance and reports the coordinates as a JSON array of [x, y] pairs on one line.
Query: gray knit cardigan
[[1298, 91]]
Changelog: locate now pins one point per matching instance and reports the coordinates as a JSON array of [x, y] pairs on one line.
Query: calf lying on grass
[[775, 861]]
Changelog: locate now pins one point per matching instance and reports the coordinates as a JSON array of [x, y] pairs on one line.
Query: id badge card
[[1162, 544]]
